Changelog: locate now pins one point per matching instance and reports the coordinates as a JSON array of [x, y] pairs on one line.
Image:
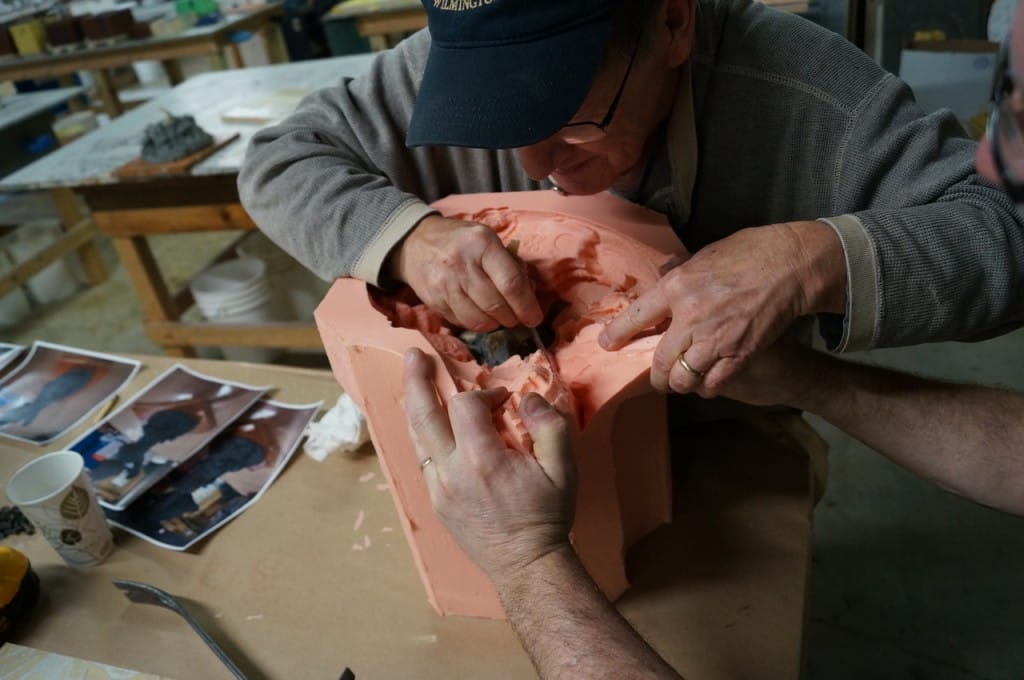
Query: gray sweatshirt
[[776, 120]]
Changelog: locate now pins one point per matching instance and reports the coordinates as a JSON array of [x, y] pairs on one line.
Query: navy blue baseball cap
[[507, 73]]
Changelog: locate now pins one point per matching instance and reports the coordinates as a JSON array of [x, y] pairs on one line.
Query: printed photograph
[[220, 482], [57, 387], [8, 353], [163, 426]]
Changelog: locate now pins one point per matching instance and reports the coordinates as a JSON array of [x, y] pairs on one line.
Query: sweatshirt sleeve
[[336, 187], [933, 251]]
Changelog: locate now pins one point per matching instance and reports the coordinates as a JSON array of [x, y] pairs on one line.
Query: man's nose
[[538, 160], [541, 159]]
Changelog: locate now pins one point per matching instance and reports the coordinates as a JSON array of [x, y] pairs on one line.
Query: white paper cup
[[56, 495]]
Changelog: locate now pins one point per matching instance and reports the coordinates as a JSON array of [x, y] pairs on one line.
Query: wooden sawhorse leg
[[108, 93], [71, 215], [273, 41], [233, 55], [174, 71], [143, 271]]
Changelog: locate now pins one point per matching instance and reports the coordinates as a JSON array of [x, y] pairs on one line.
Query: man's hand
[[505, 509], [462, 271], [784, 374], [733, 298]]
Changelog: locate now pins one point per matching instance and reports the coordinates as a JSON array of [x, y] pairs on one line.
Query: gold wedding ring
[[425, 463], [688, 368]]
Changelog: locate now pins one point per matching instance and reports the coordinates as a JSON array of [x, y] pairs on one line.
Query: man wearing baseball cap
[[803, 177], [966, 439]]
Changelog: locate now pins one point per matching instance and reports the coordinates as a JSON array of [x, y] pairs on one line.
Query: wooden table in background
[[720, 593], [794, 6], [386, 22], [205, 199], [213, 41], [79, 232], [382, 22]]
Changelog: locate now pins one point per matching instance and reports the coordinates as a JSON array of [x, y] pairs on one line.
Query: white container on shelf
[[14, 307], [73, 126], [54, 283], [295, 291], [236, 292]]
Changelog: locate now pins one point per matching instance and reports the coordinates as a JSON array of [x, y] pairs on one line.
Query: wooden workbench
[[40, 9], [720, 593], [383, 22], [19, 107], [205, 199], [78, 232], [211, 41]]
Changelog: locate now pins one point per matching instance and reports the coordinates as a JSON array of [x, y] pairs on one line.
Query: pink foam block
[[590, 256]]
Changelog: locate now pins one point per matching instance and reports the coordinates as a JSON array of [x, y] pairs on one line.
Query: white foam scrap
[[366, 541], [424, 638], [342, 428], [359, 521], [367, 477], [382, 487]]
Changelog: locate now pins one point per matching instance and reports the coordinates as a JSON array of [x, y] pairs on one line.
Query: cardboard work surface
[[316, 575]]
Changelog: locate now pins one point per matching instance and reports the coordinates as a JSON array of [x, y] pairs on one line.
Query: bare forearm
[[967, 439], [568, 626]]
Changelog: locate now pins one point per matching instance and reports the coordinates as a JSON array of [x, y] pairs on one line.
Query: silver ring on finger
[[426, 461], [688, 368]]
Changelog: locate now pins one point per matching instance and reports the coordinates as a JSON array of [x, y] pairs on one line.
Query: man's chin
[[985, 164], [578, 186]]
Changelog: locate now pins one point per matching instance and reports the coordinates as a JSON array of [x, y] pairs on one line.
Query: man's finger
[[647, 311], [489, 299], [468, 314], [510, 279], [702, 355], [675, 341], [428, 423], [673, 262], [721, 372], [473, 424], [682, 381], [552, 444]]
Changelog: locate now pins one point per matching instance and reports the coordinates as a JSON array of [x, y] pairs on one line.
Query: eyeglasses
[[586, 132], [1005, 137]]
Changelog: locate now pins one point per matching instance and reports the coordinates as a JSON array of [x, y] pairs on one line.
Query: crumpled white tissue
[[342, 429]]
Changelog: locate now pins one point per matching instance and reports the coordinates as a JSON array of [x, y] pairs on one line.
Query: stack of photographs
[[221, 480], [55, 388], [179, 460], [8, 353]]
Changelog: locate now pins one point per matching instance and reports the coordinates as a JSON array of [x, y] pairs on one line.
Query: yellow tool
[[19, 589]]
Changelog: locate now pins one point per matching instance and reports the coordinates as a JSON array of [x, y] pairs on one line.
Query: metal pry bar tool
[[513, 247], [143, 593]]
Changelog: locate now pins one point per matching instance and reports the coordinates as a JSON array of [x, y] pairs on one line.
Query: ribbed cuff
[[369, 265], [858, 330]]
